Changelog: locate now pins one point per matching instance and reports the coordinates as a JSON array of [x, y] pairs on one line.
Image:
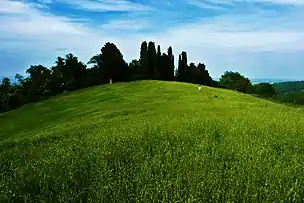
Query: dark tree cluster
[[236, 81], [192, 73], [155, 65], [69, 74]]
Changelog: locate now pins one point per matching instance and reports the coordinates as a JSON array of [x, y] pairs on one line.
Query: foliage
[[264, 90], [144, 60], [295, 97], [290, 92], [134, 69], [114, 66], [236, 81], [183, 70], [148, 141], [291, 86], [69, 74]]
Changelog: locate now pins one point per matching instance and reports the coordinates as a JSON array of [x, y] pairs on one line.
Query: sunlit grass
[[152, 141]]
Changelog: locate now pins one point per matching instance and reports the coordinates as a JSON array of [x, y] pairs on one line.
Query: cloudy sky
[[259, 38]]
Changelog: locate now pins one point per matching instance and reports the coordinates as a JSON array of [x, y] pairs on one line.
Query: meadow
[[152, 141]]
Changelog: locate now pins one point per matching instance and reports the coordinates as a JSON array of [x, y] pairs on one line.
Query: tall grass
[[151, 142]]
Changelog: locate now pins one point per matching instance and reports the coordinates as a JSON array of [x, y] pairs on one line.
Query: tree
[[199, 75], [68, 73], [96, 75], [194, 74], [185, 66], [264, 90], [158, 51], [144, 60], [179, 69], [73, 70], [171, 65], [38, 85], [215, 83], [183, 71], [19, 78], [152, 66], [113, 63], [96, 60], [134, 70], [19, 95], [204, 78], [5, 90], [6, 83], [235, 81], [58, 76], [170, 52], [159, 65]]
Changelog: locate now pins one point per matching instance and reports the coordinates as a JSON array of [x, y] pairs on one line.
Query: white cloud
[[226, 41], [123, 24], [102, 5], [27, 22], [10, 7], [235, 2], [45, 1], [284, 2], [207, 5]]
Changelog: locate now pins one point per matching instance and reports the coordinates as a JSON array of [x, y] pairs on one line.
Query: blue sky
[[259, 38]]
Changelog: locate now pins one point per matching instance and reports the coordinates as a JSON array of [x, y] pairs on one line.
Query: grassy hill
[[152, 141]]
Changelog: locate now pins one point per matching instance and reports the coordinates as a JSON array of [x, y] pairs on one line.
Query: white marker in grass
[[199, 88]]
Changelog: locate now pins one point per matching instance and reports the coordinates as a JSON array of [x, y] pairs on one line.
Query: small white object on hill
[[199, 88]]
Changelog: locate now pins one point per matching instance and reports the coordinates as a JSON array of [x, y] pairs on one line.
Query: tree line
[[69, 74]]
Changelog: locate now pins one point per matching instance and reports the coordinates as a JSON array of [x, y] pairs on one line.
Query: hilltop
[[146, 141]]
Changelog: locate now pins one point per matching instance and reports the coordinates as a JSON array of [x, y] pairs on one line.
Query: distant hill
[[290, 92], [255, 81], [152, 141], [291, 86]]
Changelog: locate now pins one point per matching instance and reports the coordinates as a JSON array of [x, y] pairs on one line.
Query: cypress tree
[[171, 64], [193, 73], [179, 68], [144, 60], [183, 71], [186, 71], [158, 51], [165, 71], [205, 78], [152, 60], [159, 66]]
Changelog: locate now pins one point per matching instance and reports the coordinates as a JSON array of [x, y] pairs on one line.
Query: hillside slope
[[150, 140]]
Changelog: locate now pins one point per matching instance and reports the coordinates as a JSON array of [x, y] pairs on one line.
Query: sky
[[258, 38]]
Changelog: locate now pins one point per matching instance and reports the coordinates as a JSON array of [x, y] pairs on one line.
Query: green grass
[[152, 141]]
